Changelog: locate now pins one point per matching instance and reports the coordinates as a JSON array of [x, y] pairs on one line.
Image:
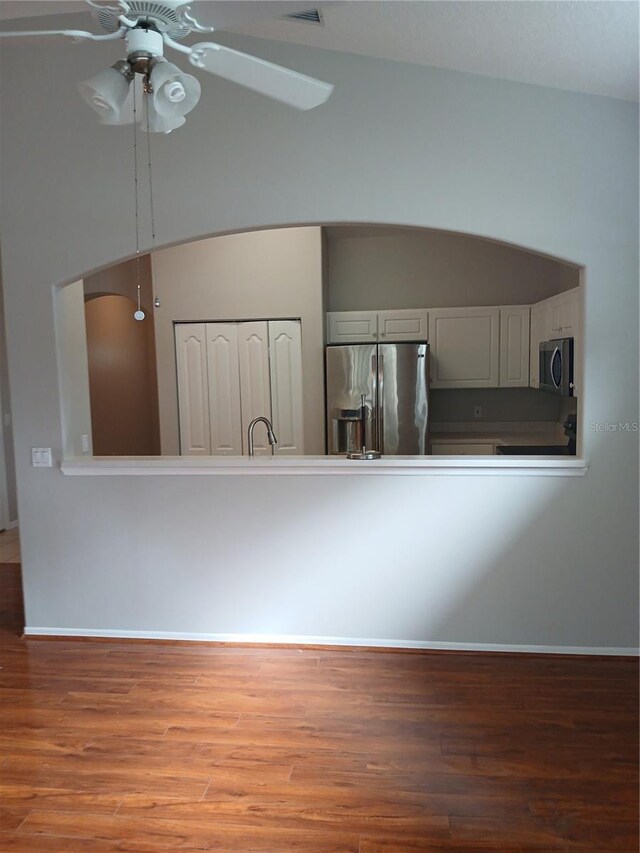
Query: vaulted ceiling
[[586, 46]]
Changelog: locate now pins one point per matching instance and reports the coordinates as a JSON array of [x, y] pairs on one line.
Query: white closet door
[[255, 392], [193, 396], [285, 347], [224, 389]]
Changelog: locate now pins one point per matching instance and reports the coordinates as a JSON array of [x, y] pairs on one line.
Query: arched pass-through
[[195, 267]]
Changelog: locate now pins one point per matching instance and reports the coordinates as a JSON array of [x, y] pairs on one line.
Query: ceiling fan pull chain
[[156, 300], [151, 211], [139, 313]]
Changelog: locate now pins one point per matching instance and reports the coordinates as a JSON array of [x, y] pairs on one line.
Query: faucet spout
[[271, 436]]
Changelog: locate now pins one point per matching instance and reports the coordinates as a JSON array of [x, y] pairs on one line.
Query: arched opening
[[484, 380]]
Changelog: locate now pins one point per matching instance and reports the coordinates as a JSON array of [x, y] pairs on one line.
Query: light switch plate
[[41, 457], [84, 439]]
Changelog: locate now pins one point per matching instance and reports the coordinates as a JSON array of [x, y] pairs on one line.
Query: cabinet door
[[193, 395], [255, 392], [464, 347], [554, 317], [403, 325], [224, 389], [285, 363], [514, 346], [572, 322], [569, 310], [352, 327], [540, 327], [564, 314]]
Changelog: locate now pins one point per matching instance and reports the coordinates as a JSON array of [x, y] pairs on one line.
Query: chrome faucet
[[270, 434]]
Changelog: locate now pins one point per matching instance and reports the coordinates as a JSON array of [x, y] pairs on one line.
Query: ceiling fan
[[147, 26]]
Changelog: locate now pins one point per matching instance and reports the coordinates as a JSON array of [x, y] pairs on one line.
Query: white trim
[[546, 466], [11, 525], [305, 640], [4, 485]]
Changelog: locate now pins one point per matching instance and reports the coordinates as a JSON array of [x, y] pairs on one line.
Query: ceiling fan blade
[[76, 35], [277, 82]]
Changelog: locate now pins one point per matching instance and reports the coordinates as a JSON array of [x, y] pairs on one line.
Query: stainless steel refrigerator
[[378, 398]]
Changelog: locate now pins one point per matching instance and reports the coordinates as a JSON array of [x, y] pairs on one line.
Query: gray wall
[[73, 368], [456, 405], [401, 268], [258, 276], [5, 395], [398, 144]]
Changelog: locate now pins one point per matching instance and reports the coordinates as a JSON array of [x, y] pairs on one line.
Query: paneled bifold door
[[193, 396], [225, 426], [255, 383], [230, 373], [285, 360]]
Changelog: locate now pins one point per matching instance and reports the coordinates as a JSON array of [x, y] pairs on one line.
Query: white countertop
[[510, 434]]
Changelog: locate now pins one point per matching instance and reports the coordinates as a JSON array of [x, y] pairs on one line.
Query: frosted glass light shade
[[159, 123], [174, 92], [126, 110], [106, 93]]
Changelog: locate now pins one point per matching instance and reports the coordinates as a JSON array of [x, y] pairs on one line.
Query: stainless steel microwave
[[556, 366]]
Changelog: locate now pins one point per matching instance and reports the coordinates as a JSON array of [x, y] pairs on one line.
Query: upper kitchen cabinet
[[354, 327], [514, 346], [465, 347], [564, 314], [408, 324], [540, 325], [556, 317]]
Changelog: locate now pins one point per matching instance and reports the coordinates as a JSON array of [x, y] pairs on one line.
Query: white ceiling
[[579, 45]]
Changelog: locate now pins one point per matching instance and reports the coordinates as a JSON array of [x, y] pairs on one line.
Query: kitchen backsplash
[[496, 404]]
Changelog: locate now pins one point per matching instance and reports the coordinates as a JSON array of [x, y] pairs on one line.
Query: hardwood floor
[[151, 747]]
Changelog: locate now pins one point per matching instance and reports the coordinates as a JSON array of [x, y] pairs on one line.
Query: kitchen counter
[[497, 434]]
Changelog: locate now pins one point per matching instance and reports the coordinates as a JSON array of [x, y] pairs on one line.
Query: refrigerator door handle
[[380, 405]]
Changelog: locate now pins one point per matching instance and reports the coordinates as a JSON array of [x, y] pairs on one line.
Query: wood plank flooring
[[152, 747]]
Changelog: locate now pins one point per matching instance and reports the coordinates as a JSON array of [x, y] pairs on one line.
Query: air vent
[[310, 16]]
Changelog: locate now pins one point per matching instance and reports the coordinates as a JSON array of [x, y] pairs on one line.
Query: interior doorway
[[122, 378]]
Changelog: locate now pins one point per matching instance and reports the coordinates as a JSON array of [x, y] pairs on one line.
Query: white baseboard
[[12, 525], [305, 640]]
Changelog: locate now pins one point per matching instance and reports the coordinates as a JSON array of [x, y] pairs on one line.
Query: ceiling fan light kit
[[172, 93], [107, 91], [147, 26], [168, 93]]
